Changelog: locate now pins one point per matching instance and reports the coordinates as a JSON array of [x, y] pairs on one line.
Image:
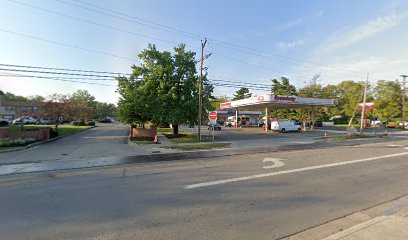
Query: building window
[[23, 109], [35, 109], [9, 108]]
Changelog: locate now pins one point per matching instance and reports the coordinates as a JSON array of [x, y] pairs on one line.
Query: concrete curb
[[42, 142]]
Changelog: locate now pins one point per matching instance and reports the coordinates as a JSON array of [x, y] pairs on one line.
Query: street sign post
[[213, 116]]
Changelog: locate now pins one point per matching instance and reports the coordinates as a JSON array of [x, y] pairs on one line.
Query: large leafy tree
[[104, 110], [350, 94], [283, 87], [387, 99], [242, 93], [163, 89]]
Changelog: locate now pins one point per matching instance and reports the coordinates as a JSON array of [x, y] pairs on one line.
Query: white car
[[402, 124], [285, 126], [25, 120]]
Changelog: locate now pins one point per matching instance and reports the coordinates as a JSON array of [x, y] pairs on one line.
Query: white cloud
[[352, 35], [287, 45]]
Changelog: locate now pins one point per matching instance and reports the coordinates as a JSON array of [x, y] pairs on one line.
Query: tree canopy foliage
[[242, 93], [164, 89]]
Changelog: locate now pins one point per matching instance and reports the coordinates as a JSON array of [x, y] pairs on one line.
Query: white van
[[285, 126]]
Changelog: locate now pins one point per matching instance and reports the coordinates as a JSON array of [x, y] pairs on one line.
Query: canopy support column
[[236, 118], [266, 120]]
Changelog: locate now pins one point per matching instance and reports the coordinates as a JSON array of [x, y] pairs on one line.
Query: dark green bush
[[90, 123]]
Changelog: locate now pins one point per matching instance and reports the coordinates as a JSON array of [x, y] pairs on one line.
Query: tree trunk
[[175, 129]]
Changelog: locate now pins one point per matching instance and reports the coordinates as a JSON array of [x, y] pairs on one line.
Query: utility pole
[[403, 101], [200, 97], [364, 104]]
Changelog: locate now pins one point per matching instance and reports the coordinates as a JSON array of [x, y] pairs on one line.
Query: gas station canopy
[[272, 102]]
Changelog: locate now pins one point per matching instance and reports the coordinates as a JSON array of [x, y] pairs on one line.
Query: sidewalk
[[386, 221], [385, 228]]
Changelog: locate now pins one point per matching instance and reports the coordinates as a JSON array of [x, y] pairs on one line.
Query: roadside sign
[[213, 116]]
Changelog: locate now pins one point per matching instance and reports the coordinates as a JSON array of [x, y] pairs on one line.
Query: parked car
[[44, 121], [318, 123], [106, 120], [25, 120], [285, 126], [228, 124], [403, 124], [220, 121], [215, 126]]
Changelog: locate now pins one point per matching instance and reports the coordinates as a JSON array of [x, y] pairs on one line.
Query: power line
[[56, 79], [66, 45], [235, 47], [94, 23], [158, 39], [55, 73], [62, 69], [127, 19]]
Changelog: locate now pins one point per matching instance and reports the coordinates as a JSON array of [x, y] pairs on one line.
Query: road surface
[[103, 141], [257, 196]]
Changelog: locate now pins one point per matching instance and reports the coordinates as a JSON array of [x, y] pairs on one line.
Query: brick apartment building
[[10, 110]]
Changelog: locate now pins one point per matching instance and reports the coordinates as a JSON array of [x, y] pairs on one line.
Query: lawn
[[344, 138], [62, 129], [199, 146], [183, 137]]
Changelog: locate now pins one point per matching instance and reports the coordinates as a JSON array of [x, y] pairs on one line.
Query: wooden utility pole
[[403, 102], [364, 105], [200, 97]]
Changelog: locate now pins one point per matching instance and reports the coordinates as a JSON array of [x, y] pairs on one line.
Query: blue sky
[[342, 40]]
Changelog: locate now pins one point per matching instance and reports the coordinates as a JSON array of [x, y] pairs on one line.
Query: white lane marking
[[406, 148], [206, 184], [276, 163]]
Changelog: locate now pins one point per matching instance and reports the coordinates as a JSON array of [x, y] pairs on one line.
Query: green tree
[[349, 94], [242, 93], [82, 104], [104, 110], [11, 97], [56, 105], [163, 89], [283, 87], [388, 99]]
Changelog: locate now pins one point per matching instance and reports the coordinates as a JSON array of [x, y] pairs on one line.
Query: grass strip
[[199, 146]]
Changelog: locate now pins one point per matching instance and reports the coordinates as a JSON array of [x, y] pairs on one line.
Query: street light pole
[[403, 101]]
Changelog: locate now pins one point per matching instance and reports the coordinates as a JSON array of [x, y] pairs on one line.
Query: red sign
[[213, 116], [285, 98], [225, 105]]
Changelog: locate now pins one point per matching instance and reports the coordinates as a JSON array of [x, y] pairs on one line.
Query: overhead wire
[[196, 36], [158, 39]]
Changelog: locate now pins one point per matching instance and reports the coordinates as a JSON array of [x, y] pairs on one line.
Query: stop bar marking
[[212, 183]]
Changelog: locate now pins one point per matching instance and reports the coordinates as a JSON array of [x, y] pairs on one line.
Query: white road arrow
[[276, 163]]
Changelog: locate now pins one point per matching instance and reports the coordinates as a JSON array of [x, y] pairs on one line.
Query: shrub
[[90, 123], [78, 123], [4, 123], [15, 142]]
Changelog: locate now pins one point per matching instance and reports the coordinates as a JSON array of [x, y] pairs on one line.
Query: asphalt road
[[257, 196], [103, 141]]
